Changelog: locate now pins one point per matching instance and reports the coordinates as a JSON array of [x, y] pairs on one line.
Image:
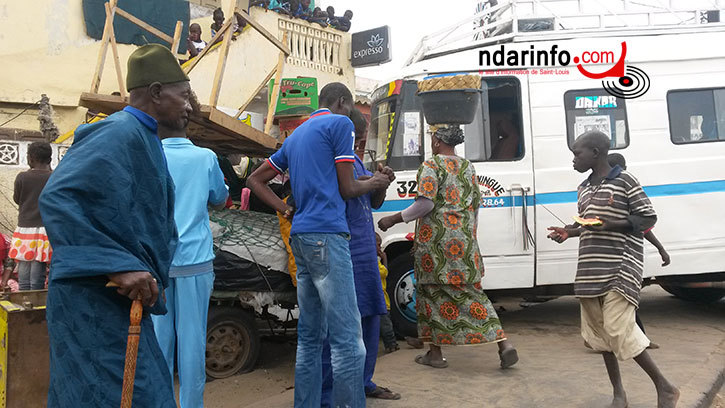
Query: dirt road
[[555, 369]]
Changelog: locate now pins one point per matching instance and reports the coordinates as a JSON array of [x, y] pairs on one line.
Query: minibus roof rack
[[506, 21]]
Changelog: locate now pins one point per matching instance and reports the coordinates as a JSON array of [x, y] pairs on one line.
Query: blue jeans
[[31, 275], [183, 328], [328, 305], [371, 339]]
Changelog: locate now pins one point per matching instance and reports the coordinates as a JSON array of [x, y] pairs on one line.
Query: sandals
[[414, 342], [391, 349], [508, 357], [424, 359], [382, 393]]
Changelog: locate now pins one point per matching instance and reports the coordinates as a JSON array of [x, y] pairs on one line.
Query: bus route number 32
[[407, 188]]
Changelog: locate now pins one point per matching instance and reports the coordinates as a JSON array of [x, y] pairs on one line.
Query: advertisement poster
[[411, 134]]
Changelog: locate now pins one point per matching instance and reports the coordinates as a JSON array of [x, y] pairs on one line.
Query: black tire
[[401, 295], [232, 342], [699, 295]]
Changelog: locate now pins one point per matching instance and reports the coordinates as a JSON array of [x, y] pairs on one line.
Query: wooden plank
[[153, 30], [274, 97], [101, 60], [256, 91], [221, 64], [177, 38], [114, 49], [107, 104], [228, 122], [209, 126], [206, 49], [282, 45]]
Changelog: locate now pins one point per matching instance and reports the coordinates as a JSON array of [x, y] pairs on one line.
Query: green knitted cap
[[153, 63]]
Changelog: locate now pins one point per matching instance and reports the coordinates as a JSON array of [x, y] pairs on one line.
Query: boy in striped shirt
[[611, 262]]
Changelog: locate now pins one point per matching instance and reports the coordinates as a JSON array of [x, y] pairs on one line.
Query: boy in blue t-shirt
[[319, 156]]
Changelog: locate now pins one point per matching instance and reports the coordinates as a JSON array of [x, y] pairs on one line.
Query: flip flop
[[508, 357], [382, 393], [424, 359], [392, 348], [414, 342]]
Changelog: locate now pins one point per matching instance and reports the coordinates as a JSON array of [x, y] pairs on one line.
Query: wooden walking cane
[[129, 368]]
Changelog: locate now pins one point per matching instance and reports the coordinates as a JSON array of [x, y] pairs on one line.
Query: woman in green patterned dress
[[451, 305]]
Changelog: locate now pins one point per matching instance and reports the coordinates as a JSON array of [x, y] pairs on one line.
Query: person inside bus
[[451, 306], [505, 135], [611, 263]]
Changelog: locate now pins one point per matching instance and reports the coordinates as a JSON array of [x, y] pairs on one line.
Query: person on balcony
[[343, 23], [194, 43], [319, 17]]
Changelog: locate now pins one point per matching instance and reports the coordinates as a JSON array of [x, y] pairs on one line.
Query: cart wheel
[[232, 342]]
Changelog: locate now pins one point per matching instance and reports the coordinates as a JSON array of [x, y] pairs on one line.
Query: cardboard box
[[297, 96], [24, 357]]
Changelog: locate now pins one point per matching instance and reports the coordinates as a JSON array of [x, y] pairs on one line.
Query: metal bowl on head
[[450, 105]]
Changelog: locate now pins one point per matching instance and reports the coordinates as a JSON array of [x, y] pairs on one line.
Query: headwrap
[[449, 134], [153, 63]]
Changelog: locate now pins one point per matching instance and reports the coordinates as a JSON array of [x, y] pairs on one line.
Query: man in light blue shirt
[[199, 184]]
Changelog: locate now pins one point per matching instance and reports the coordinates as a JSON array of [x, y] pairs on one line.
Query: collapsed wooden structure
[[208, 127]]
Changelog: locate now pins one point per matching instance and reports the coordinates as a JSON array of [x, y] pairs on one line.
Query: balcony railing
[[311, 47]]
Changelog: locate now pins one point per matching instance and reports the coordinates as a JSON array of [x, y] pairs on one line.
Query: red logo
[[631, 82]]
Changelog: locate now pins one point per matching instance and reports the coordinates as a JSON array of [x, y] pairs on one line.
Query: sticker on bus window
[[411, 134]]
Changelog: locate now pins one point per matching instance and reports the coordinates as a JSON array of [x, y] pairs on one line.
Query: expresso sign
[[371, 47]]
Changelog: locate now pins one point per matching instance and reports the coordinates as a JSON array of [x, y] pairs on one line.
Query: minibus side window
[[595, 109], [696, 115], [496, 134]]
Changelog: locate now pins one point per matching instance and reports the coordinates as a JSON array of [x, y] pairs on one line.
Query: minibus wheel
[[699, 295], [401, 290]]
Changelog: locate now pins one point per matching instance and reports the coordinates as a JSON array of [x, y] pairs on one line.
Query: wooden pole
[[153, 30], [256, 91], [177, 38], [129, 369], [206, 49], [101, 60], [274, 97], [116, 60], [223, 54], [282, 45]]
